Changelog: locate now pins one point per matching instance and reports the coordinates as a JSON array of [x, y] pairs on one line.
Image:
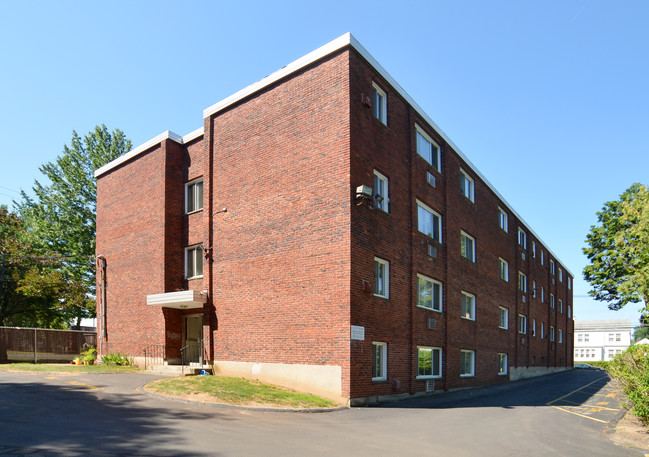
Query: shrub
[[89, 355], [117, 358], [631, 368]]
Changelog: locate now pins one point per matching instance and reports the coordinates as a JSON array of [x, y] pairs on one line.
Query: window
[[467, 185], [569, 283], [551, 333], [380, 104], [379, 361], [468, 306], [522, 323], [542, 294], [534, 327], [468, 246], [427, 148], [542, 330], [504, 318], [502, 364], [542, 257], [560, 306], [429, 222], [552, 266], [194, 261], [502, 219], [534, 249], [504, 270], [194, 196], [552, 303], [560, 336], [586, 337], [522, 282], [467, 363], [569, 312], [580, 337], [380, 191], [429, 293], [429, 362], [534, 289], [560, 274], [381, 278], [522, 238]]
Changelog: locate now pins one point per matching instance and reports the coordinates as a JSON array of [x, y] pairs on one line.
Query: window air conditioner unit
[[431, 179], [432, 251], [432, 323], [430, 386]]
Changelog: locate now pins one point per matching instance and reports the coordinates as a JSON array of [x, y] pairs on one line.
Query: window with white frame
[[381, 278], [542, 330], [467, 363], [586, 337], [502, 364], [569, 312], [194, 261], [552, 270], [569, 283], [429, 222], [427, 148], [504, 270], [429, 362], [580, 337], [194, 196], [534, 289], [522, 323], [379, 361], [560, 306], [552, 302], [560, 274], [522, 282], [467, 246], [468, 306], [502, 220], [379, 103], [552, 333], [504, 318], [429, 293], [534, 249], [560, 336], [467, 185], [533, 327], [380, 191], [522, 238], [542, 257], [542, 294]]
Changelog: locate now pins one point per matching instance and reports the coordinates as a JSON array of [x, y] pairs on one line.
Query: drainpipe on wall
[[101, 264]]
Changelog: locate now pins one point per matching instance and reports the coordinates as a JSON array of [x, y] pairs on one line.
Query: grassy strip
[[238, 391], [66, 368]]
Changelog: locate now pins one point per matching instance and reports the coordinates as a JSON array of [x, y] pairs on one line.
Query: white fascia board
[[193, 135], [138, 150], [335, 45]]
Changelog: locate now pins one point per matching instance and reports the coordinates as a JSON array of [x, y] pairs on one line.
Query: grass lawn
[[67, 368], [237, 391]]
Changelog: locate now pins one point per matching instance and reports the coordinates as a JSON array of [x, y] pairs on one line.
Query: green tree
[[618, 250], [60, 217]]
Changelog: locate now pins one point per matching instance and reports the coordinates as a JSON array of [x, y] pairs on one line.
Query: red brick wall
[[282, 250]]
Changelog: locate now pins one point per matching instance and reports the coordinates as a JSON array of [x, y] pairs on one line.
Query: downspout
[[101, 261]]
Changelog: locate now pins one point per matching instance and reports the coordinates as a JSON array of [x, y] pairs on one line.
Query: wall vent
[[432, 251], [431, 179], [432, 323], [430, 386]]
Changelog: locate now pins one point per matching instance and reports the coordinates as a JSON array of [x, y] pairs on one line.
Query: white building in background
[[601, 339]]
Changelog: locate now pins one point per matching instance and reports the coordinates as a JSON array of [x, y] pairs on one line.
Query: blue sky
[[549, 99]]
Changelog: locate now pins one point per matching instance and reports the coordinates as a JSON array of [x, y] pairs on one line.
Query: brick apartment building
[[320, 231]]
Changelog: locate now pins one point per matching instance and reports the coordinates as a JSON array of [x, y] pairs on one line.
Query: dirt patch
[[629, 432]]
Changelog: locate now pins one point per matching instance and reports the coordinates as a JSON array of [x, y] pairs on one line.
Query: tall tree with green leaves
[[60, 217], [618, 250]]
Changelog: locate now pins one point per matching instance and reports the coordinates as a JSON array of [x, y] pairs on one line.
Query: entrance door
[[192, 338]]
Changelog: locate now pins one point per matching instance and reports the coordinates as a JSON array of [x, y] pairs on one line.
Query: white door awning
[[185, 299]]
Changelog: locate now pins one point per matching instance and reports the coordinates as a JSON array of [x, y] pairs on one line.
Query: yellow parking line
[[580, 415], [573, 392], [51, 377], [603, 403], [87, 386]]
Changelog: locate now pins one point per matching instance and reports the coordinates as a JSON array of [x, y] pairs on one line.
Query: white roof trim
[[185, 299], [335, 45], [134, 152], [193, 135]]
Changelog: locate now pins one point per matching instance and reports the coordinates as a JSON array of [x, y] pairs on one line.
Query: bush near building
[[631, 368]]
